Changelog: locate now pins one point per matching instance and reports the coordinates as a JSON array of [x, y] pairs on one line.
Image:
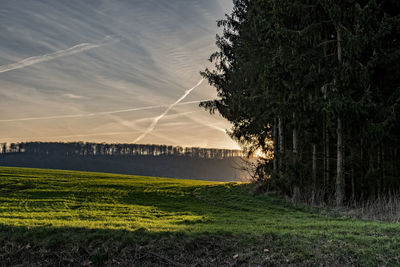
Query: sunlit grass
[[32, 198], [52, 199]]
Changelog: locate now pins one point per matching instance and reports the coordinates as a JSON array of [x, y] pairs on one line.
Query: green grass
[[75, 218]]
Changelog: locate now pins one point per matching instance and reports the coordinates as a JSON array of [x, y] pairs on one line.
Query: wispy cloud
[[132, 125], [156, 119], [72, 96], [103, 113], [47, 57], [159, 56]]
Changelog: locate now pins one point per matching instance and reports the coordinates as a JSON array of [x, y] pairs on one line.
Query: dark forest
[[138, 159]]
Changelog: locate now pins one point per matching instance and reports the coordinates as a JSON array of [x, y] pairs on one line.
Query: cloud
[[72, 96], [100, 113], [156, 119], [47, 57], [132, 125], [162, 49]]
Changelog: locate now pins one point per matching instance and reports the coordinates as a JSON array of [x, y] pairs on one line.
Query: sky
[[120, 71]]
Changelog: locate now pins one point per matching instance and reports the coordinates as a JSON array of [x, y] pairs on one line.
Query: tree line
[[316, 84], [104, 149]]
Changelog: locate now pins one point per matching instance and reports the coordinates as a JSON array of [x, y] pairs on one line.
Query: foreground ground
[[51, 218]]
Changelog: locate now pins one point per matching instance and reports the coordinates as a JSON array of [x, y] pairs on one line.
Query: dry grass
[[384, 208]]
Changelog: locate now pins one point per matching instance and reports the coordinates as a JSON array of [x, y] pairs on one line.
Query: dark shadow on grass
[[68, 246], [49, 246]]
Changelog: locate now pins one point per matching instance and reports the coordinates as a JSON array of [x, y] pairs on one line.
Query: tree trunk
[[325, 181], [276, 145], [383, 170], [326, 137], [295, 149], [353, 191], [314, 172], [296, 189], [378, 158], [326, 152], [339, 166], [281, 145]]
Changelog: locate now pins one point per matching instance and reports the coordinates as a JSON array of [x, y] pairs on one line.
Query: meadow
[[54, 217]]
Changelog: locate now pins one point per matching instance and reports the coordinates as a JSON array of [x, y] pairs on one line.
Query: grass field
[[51, 217]]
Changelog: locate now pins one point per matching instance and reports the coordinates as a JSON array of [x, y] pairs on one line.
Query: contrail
[[47, 57], [156, 119], [97, 113], [120, 121]]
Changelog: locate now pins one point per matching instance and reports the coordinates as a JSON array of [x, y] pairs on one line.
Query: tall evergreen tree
[[302, 73]]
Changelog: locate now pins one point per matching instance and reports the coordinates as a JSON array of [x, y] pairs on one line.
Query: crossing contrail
[[47, 57], [156, 119], [97, 113]]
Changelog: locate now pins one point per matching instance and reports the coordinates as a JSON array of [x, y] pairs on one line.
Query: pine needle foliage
[[320, 79]]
